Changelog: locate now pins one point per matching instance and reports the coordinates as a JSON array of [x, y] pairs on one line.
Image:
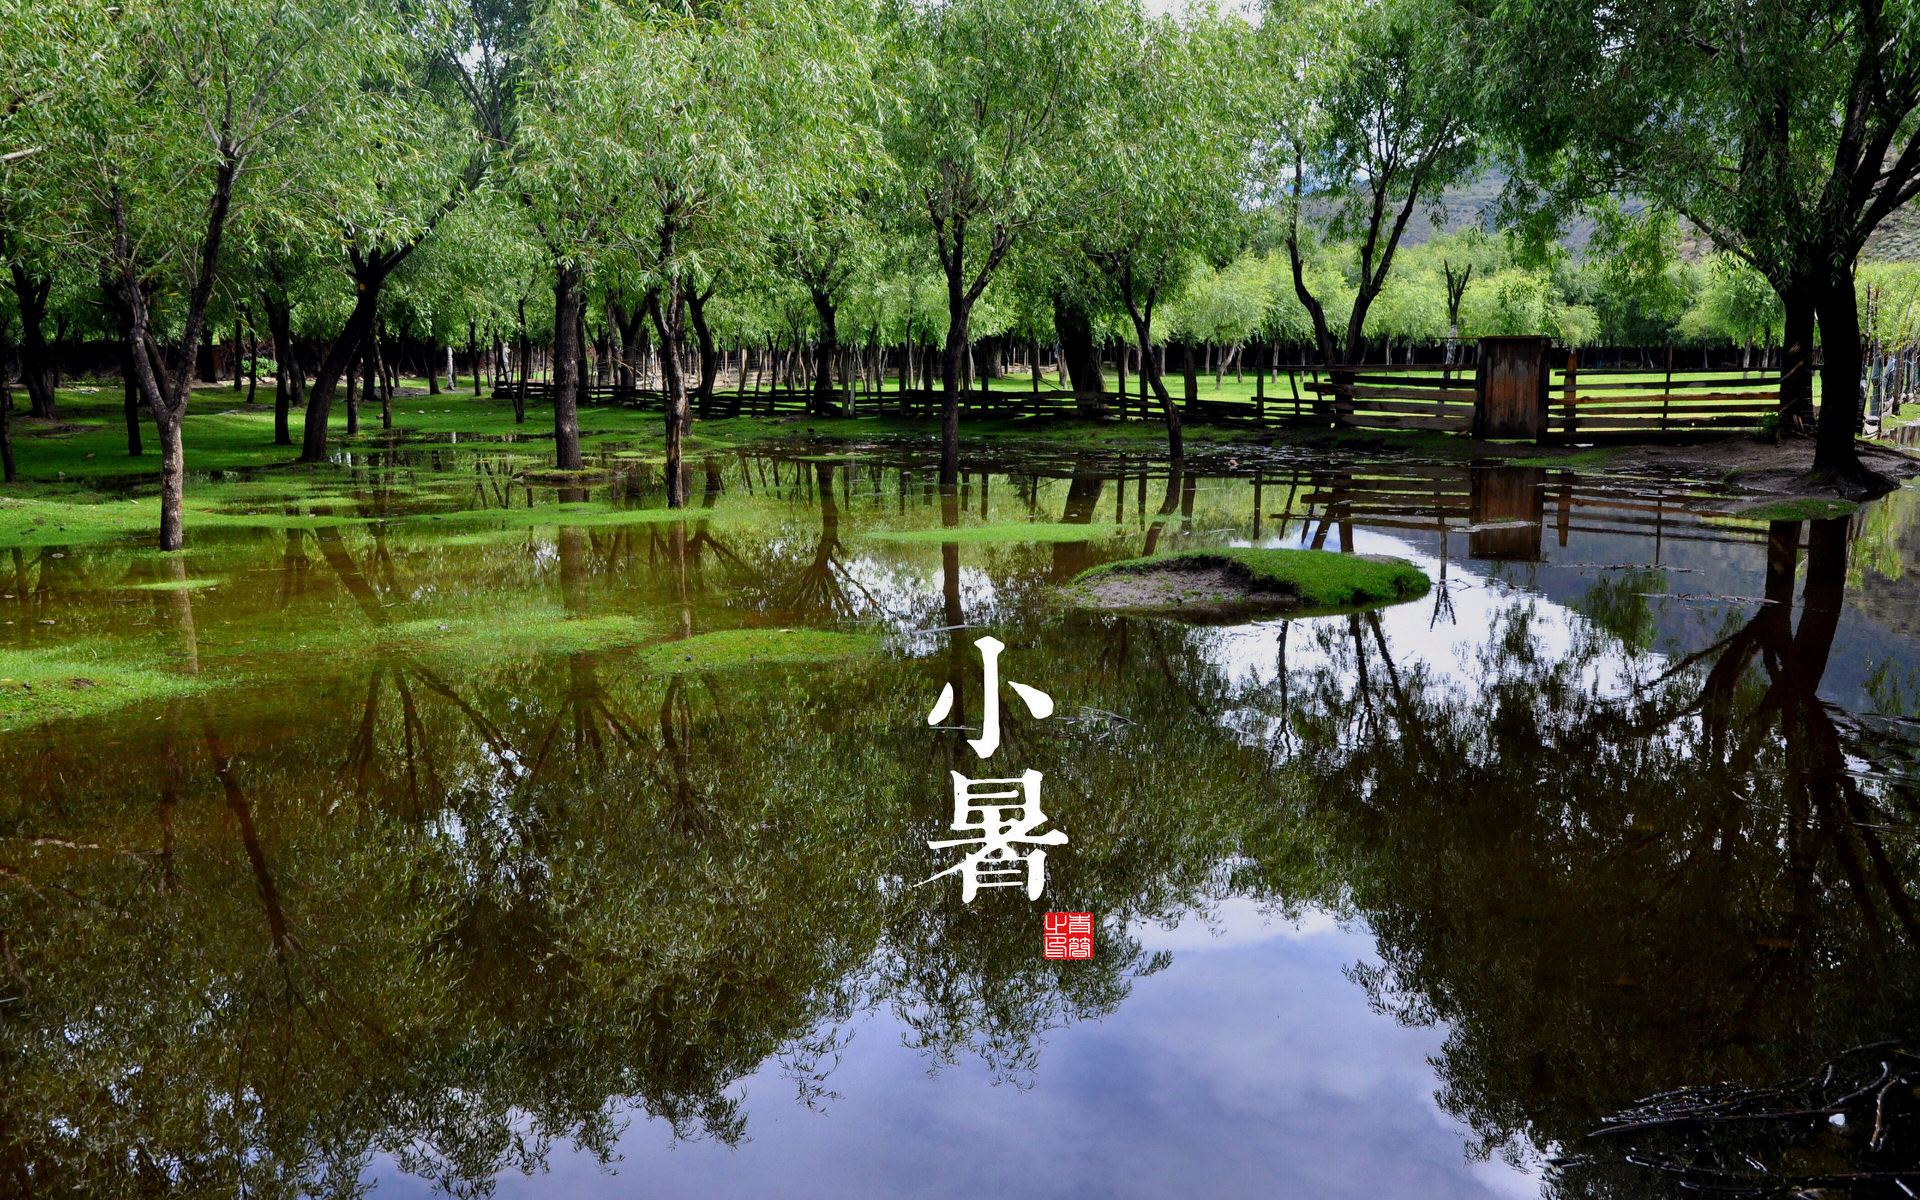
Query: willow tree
[[823, 245], [1787, 132], [1163, 184], [650, 140], [381, 206], [987, 133], [1369, 116], [158, 125]]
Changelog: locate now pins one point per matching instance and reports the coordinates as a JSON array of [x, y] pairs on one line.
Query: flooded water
[[448, 833]]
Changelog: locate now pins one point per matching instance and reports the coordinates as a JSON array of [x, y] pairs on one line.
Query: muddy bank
[[1782, 469]]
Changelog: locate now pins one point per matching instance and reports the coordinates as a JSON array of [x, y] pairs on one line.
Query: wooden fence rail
[[1401, 397], [1610, 409]]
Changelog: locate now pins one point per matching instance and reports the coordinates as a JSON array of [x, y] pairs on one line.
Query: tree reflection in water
[[457, 909], [519, 912], [1608, 877]]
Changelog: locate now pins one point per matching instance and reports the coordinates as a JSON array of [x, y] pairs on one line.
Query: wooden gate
[[1510, 391]]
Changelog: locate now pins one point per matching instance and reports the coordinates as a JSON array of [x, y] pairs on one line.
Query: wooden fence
[[976, 405], [1582, 406], [1615, 404], [1398, 397], [1591, 405]]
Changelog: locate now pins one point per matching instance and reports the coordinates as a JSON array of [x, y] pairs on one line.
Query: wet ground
[[448, 832]]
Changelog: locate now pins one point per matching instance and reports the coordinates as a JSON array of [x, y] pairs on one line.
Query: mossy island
[[1229, 582]]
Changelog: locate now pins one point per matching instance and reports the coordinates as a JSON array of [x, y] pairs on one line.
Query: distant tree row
[[677, 182]]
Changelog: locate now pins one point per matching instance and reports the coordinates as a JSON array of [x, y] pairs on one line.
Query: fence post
[[1260, 391], [1666, 396], [1571, 423]]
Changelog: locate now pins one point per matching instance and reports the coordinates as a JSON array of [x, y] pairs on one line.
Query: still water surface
[[484, 837]]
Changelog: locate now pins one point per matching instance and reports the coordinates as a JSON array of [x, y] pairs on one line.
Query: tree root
[[1853, 481]]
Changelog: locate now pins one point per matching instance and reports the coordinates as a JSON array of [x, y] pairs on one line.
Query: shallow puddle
[[455, 831]]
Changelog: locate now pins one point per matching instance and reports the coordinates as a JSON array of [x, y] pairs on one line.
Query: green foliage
[[1735, 304]]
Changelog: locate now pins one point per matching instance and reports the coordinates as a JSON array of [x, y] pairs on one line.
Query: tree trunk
[[1834, 455], [370, 274], [1796, 359], [822, 404], [953, 366], [388, 375], [173, 476], [363, 362], [566, 368], [31, 292], [633, 344], [668, 315], [170, 406], [129, 383], [1079, 355], [1140, 308], [7, 474], [280, 329], [703, 339], [372, 379]]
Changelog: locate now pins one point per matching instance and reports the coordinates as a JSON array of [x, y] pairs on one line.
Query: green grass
[[1315, 579], [61, 681]]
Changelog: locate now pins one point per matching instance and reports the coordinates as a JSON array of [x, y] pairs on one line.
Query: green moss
[[1315, 579], [1003, 531], [758, 647]]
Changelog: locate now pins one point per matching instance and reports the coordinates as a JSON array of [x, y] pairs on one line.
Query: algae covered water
[[443, 831]]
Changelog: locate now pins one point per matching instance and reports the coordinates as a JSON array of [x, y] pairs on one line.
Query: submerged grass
[[535, 630], [728, 648]]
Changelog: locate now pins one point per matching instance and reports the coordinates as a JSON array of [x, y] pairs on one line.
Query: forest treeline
[[633, 186]]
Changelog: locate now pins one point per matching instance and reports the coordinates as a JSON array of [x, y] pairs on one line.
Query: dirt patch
[[1203, 587], [26, 426]]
